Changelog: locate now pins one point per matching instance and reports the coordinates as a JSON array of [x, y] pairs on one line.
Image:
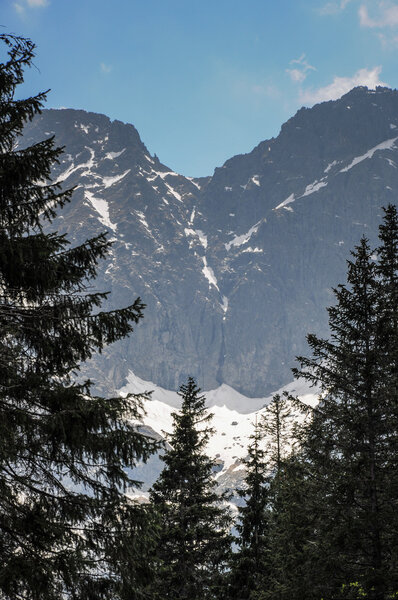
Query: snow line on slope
[[386, 145], [239, 240], [102, 208], [232, 426]]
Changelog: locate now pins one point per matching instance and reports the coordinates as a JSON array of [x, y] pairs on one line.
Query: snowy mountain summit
[[235, 268]]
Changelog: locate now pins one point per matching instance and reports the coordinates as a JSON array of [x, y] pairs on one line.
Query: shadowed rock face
[[236, 268]]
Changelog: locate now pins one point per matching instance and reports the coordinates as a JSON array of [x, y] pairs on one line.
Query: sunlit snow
[[224, 306], [330, 166], [108, 181], [197, 233], [161, 174], [314, 187], [391, 163], [101, 206], [173, 192], [254, 250], [202, 237], [288, 200], [387, 145], [234, 414], [112, 155], [142, 218], [72, 168], [209, 274], [239, 240], [194, 182]]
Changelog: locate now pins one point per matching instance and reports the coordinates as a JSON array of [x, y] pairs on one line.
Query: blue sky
[[204, 80]]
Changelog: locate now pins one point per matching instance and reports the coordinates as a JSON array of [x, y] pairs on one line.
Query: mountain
[[238, 267]]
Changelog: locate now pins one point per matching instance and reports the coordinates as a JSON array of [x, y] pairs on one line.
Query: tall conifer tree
[[276, 427], [250, 563], [194, 543], [286, 497], [351, 441], [63, 515]]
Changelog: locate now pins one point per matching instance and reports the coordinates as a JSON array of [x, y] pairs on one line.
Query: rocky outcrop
[[236, 268]]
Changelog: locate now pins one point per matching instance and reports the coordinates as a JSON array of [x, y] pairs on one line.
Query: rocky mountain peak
[[236, 268]]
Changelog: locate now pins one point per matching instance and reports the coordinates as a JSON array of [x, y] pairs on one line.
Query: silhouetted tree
[[350, 446], [250, 563], [195, 541], [66, 527]]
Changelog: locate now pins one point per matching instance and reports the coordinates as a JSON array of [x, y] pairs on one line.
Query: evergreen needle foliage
[[194, 542], [67, 530], [350, 447], [287, 526], [250, 563]]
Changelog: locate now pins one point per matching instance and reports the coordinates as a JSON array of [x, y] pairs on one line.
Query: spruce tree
[[250, 563], [194, 542], [66, 527], [350, 446], [270, 563], [276, 426], [387, 357], [287, 526]]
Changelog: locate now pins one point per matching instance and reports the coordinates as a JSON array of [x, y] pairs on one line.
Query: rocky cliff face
[[236, 268]]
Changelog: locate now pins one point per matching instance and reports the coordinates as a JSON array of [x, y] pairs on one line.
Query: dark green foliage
[[270, 562], [350, 448], [250, 563], [290, 525], [287, 526], [66, 527], [194, 542], [276, 426]]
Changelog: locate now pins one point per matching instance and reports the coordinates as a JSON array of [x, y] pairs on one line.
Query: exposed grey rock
[[236, 268]]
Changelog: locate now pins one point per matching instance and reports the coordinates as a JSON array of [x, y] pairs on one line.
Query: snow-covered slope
[[232, 428]]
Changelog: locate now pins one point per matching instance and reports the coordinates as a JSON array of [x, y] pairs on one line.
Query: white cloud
[[105, 68], [299, 73], [381, 15], [388, 41], [387, 16], [333, 8], [37, 3], [23, 5], [341, 85], [296, 75]]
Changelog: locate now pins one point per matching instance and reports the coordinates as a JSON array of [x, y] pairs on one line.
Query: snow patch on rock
[[239, 240], [209, 274], [108, 181], [330, 166], [288, 200], [102, 208], [113, 155], [314, 187], [386, 145]]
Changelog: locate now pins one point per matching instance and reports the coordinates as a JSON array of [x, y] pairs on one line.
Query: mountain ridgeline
[[236, 268]]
